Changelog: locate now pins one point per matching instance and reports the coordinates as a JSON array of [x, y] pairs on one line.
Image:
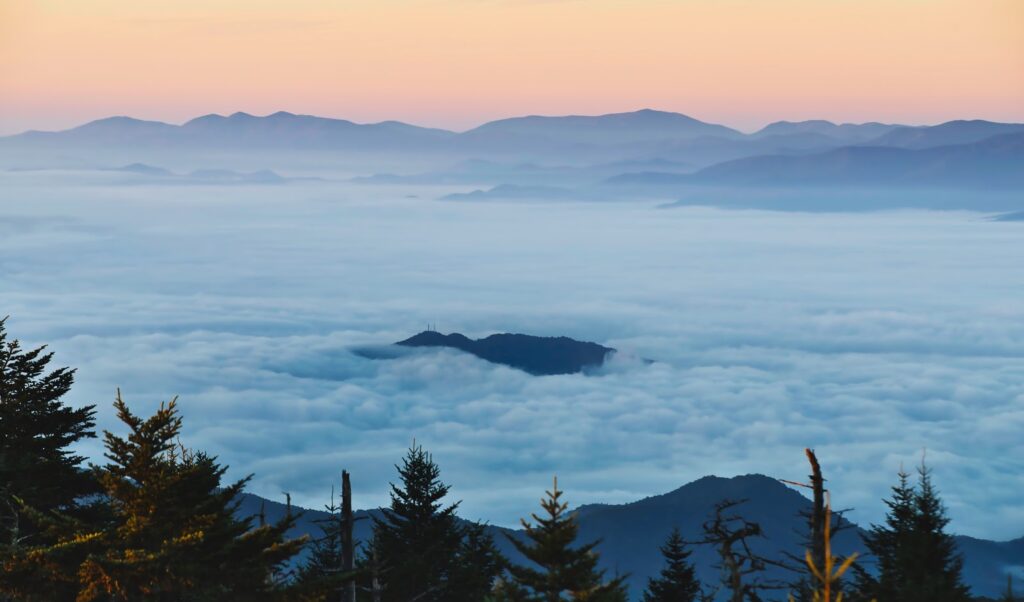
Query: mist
[[873, 337]]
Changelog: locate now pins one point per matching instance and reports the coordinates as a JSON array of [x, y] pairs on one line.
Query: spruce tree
[[174, 534], [936, 565], [424, 553], [563, 572], [916, 559], [39, 473], [886, 544], [322, 568], [477, 566], [1008, 594], [677, 581]]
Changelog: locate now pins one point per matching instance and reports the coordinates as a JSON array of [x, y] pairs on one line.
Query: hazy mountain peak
[[120, 121], [208, 118]]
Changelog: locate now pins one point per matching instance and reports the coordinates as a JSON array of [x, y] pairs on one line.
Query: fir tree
[[886, 544], [565, 572], [677, 582], [936, 565], [916, 559], [1008, 595], [322, 568], [325, 575], [174, 534], [424, 554], [478, 564], [38, 470]]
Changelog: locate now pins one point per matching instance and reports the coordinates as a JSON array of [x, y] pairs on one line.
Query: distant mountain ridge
[[847, 132], [281, 129], [952, 132], [631, 533], [645, 126], [535, 355], [559, 157], [997, 161]]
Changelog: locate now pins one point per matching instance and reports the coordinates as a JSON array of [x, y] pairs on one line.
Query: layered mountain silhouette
[[993, 162], [631, 533], [535, 355], [951, 132], [242, 130], [146, 173], [847, 132], [640, 149]]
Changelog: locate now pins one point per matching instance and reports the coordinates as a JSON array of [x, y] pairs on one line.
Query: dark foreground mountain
[[536, 355], [631, 533]]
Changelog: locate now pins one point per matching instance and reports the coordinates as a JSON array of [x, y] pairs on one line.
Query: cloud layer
[[867, 336]]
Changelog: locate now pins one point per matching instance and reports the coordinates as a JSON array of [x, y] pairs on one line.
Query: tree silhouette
[[564, 571], [38, 470], [173, 534], [424, 553], [676, 582], [917, 560]]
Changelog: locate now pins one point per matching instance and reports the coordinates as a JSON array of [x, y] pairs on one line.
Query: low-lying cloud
[[867, 336]]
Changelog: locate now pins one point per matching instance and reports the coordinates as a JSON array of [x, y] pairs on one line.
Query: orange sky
[[456, 63]]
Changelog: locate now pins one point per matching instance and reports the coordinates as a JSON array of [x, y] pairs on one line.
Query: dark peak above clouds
[[532, 354]]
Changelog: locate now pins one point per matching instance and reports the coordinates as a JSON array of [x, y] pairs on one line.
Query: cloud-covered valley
[[869, 336]]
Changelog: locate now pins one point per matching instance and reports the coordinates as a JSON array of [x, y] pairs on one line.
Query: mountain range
[[243, 131], [994, 162], [631, 533], [601, 156], [645, 129]]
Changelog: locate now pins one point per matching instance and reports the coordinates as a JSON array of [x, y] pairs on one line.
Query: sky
[[871, 337], [457, 63]]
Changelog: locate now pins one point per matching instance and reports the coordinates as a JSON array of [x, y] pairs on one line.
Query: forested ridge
[[157, 521]]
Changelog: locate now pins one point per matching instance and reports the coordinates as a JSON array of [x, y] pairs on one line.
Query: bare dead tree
[[347, 543], [741, 567], [821, 567]]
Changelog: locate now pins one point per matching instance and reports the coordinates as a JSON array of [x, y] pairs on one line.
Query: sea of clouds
[[868, 336]]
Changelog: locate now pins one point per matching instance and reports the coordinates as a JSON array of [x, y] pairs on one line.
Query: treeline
[[157, 522]]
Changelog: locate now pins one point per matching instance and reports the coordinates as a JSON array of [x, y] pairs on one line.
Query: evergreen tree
[[886, 544], [565, 572], [478, 565], [322, 568], [174, 534], [936, 565], [1008, 595], [916, 559], [424, 554], [677, 582], [38, 470]]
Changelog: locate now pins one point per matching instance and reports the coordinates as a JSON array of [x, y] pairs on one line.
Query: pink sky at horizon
[[458, 63]]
